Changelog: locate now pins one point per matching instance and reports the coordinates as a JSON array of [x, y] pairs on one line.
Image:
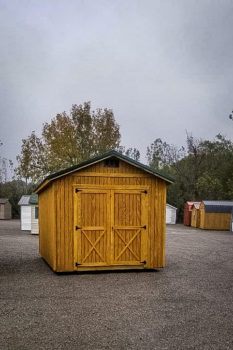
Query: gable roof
[[33, 199], [3, 200], [189, 204], [171, 206], [196, 205], [218, 206], [98, 159], [24, 200]]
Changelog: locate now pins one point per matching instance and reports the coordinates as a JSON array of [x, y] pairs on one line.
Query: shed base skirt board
[[107, 269], [104, 268], [119, 270], [213, 229]]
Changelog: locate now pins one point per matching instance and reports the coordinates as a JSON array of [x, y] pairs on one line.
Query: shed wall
[[34, 222], [2, 211], [187, 215], [47, 228], [25, 217], [195, 218], [8, 210], [99, 175], [5, 211], [170, 215], [214, 221]]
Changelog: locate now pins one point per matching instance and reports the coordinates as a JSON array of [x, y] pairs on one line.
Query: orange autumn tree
[[67, 140]]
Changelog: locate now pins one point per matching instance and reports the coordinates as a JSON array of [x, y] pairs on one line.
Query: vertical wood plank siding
[[47, 227], [214, 221], [98, 174]]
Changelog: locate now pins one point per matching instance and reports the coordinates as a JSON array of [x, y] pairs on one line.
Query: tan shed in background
[[195, 216], [216, 215], [106, 213], [5, 209]]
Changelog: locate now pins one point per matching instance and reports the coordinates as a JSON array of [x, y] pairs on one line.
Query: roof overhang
[[98, 159]]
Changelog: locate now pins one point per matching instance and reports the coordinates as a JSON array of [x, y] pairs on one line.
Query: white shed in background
[[25, 213], [170, 214], [34, 214], [29, 213]]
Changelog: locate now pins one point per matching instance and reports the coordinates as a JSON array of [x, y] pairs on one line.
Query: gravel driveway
[[187, 305]]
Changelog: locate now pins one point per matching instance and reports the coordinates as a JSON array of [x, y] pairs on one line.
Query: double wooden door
[[111, 227]]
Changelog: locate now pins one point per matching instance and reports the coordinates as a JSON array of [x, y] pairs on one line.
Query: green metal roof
[[105, 156], [33, 199]]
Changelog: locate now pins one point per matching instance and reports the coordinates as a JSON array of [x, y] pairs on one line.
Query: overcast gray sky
[[162, 66]]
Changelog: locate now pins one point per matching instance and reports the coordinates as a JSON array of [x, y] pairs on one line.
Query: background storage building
[[29, 213], [25, 213], [170, 214], [33, 201], [5, 209], [195, 215], [188, 212], [105, 213], [216, 215]]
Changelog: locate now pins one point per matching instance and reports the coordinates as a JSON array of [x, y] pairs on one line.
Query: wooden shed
[[5, 209], [195, 215], [216, 215], [103, 214], [33, 201], [188, 212], [170, 214]]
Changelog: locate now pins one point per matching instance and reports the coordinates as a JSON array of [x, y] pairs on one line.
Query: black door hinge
[[77, 190], [77, 264], [145, 191], [143, 262], [77, 228], [144, 227]]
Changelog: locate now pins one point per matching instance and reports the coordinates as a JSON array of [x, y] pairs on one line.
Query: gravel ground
[[187, 305]]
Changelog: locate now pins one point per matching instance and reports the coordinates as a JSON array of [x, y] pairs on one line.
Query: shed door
[[129, 227], [111, 227], [92, 228]]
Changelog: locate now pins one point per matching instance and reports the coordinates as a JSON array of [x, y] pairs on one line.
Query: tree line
[[202, 169]]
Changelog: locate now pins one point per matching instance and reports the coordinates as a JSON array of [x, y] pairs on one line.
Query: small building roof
[[4, 200], [171, 206], [218, 206], [33, 199], [196, 205], [189, 204], [97, 159], [24, 200]]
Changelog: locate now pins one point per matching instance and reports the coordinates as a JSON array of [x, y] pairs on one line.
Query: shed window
[[111, 163], [36, 212]]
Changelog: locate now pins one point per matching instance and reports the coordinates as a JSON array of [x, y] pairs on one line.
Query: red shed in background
[[188, 212]]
